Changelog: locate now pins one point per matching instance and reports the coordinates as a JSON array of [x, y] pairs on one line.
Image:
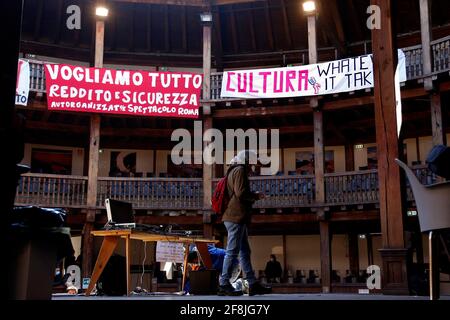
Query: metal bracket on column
[[207, 217], [90, 215], [323, 213], [206, 109]]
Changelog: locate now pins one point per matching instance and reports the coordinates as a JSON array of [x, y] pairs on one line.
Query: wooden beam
[[261, 111], [353, 253], [285, 268], [58, 27], [393, 276], [287, 30], [206, 62], [149, 28], [87, 249], [332, 6], [94, 146], [425, 33], [207, 119], [356, 27], [166, 28], [257, 219], [57, 127], [93, 161], [234, 35], [329, 25], [347, 103], [207, 170], [349, 157], [99, 43], [268, 24], [252, 30], [225, 2], [438, 133], [218, 49], [319, 158], [184, 28], [355, 215], [131, 22], [38, 21], [194, 3], [325, 256], [136, 132]]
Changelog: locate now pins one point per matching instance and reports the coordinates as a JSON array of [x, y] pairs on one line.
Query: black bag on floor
[[438, 161], [113, 281]]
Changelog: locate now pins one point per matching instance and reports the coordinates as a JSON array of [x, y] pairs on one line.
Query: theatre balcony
[[440, 49], [285, 193]]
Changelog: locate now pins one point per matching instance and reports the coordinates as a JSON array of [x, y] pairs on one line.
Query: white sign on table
[[169, 252]]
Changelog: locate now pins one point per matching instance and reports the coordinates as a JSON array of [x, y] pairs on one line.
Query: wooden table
[[111, 239]]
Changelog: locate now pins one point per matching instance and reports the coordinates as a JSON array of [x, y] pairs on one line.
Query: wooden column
[[325, 255], [207, 124], [207, 187], [324, 224], [369, 249], [437, 126], [94, 144], [393, 252], [349, 157], [425, 33], [353, 253], [319, 156], [426, 38], [285, 268]]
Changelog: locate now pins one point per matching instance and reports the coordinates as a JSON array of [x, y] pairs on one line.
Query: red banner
[[139, 93]]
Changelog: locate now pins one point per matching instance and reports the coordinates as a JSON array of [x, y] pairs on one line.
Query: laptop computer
[[120, 214]]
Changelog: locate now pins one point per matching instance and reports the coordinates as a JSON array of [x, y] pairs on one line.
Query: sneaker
[[258, 288], [228, 290]]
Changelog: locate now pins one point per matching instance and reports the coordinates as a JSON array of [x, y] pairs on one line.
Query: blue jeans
[[237, 245]]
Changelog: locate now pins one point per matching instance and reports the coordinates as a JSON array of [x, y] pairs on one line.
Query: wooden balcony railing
[[51, 190], [357, 187], [152, 193], [440, 50], [37, 76], [347, 188], [414, 67], [284, 191]]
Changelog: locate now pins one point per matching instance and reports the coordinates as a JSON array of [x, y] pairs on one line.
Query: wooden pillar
[[353, 253], [369, 250], [207, 124], [285, 268], [324, 224], [393, 252], [437, 126], [425, 33], [418, 149], [349, 157], [325, 255], [435, 98], [94, 144]]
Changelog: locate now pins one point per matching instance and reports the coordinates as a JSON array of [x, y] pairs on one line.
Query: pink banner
[[138, 93]]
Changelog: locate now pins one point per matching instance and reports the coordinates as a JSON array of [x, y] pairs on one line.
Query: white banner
[[169, 252], [23, 82], [337, 76], [400, 76]]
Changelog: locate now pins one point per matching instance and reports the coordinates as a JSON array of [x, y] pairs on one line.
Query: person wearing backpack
[[236, 206]]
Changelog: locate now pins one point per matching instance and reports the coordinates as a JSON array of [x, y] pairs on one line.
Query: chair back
[[433, 201]]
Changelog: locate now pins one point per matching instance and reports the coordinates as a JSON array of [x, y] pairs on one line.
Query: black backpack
[[438, 161]]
